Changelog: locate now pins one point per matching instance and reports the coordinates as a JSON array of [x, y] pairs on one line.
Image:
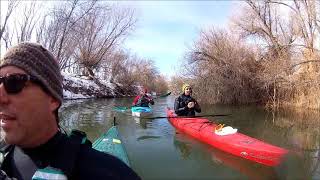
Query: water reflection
[[143, 122], [315, 166], [184, 147], [87, 115], [250, 169], [303, 134]]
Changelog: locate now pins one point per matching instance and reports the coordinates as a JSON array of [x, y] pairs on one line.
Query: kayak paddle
[[163, 95], [121, 108]]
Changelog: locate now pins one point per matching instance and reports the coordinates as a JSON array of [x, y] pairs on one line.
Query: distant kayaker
[[185, 104], [33, 145], [143, 100]]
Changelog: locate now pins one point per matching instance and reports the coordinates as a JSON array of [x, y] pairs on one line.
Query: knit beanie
[[184, 86], [37, 61]]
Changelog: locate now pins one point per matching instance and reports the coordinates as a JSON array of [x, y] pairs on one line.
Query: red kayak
[[234, 143]]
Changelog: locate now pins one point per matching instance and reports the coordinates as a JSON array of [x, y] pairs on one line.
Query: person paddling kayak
[[143, 100], [33, 145], [185, 104]]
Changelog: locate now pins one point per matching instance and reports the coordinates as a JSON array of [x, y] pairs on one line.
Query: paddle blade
[[120, 108], [165, 95]]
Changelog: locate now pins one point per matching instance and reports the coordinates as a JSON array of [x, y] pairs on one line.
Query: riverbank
[[83, 87]]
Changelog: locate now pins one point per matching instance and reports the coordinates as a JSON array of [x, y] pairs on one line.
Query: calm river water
[[156, 151]]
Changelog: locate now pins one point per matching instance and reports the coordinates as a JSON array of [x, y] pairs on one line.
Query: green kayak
[[110, 143]]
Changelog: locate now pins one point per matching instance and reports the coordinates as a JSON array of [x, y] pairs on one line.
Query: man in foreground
[[30, 96]]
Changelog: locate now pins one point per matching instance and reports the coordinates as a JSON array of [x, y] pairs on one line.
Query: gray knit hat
[[38, 62]]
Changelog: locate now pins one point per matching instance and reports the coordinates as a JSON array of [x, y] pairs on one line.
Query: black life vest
[[59, 168], [182, 102]]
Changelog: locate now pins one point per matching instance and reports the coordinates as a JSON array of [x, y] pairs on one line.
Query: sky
[[166, 29]]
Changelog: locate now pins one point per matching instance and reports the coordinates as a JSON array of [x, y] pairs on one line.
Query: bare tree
[[117, 69], [262, 19], [130, 70], [12, 5], [7, 38], [100, 32], [146, 72], [305, 14], [290, 40], [68, 24], [59, 23], [222, 68], [25, 25], [122, 69], [5, 31], [161, 85], [176, 83], [41, 33]]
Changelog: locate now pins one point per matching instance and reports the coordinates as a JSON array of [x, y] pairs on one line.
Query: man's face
[[24, 114]]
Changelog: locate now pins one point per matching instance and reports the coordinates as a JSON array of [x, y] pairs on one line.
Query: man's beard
[[1, 135]]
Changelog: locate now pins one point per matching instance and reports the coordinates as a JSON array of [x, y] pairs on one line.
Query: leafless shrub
[[288, 41], [57, 30], [5, 31], [99, 33], [224, 69], [25, 25], [160, 84]]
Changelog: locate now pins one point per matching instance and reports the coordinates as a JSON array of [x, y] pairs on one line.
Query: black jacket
[[181, 106], [59, 152]]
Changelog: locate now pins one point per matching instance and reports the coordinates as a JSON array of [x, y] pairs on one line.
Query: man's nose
[[3, 94]]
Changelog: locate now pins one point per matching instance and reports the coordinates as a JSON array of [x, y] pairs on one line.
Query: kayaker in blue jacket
[[32, 145], [185, 104]]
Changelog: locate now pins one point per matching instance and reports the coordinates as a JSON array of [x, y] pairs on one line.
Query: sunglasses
[[14, 83]]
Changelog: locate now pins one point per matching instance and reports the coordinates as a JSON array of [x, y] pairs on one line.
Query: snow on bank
[[70, 95], [82, 87]]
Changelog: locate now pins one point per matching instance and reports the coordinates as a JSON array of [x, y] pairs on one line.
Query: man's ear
[[54, 104]]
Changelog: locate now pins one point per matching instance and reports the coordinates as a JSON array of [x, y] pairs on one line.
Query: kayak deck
[[237, 144], [141, 111], [110, 143]]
